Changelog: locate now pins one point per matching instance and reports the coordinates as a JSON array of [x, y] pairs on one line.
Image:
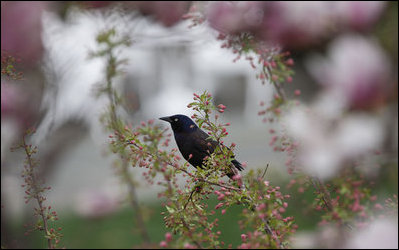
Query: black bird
[[193, 141]]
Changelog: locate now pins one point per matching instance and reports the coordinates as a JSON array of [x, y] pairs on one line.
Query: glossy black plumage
[[190, 139]]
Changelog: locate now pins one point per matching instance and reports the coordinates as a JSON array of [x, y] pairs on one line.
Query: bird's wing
[[203, 144], [193, 147]]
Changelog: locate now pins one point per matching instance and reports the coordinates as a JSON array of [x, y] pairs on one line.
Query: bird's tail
[[237, 165]]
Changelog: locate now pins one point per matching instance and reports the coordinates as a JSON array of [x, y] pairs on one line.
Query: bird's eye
[[176, 119]]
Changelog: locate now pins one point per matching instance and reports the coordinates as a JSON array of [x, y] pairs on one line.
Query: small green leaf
[[170, 210]]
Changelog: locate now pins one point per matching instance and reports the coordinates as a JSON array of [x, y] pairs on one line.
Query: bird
[[195, 144]]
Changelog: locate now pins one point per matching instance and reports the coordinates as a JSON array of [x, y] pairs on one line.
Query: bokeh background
[[168, 61]]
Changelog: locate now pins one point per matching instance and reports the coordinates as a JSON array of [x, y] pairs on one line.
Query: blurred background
[[168, 61]]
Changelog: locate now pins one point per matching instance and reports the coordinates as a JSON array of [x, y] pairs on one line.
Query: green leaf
[[170, 210]]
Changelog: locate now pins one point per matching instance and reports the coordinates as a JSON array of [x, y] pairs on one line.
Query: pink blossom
[[189, 246], [168, 237], [274, 78], [18, 104], [245, 246], [237, 177], [219, 205], [21, 29], [357, 69], [295, 24], [163, 244], [221, 106], [357, 207], [289, 62], [243, 237], [232, 17], [260, 207], [358, 15], [327, 140]]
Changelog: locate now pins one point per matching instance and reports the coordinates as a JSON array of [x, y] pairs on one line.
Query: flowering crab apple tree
[[187, 214], [264, 223]]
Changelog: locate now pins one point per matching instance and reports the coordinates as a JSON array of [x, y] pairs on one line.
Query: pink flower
[[237, 177], [189, 246], [243, 237], [163, 244], [295, 24], [328, 139], [168, 237], [359, 15], [245, 246], [18, 104], [21, 29], [290, 62], [260, 207], [232, 17], [357, 69], [221, 106], [219, 205]]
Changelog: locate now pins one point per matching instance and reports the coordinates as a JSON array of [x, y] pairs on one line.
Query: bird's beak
[[166, 118]]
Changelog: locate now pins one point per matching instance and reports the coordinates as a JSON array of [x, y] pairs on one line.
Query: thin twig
[[263, 175], [189, 198], [134, 203], [36, 192], [188, 228], [268, 229], [320, 187], [279, 89], [125, 165]]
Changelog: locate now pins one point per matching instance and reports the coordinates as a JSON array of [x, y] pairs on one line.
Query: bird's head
[[180, 123]]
